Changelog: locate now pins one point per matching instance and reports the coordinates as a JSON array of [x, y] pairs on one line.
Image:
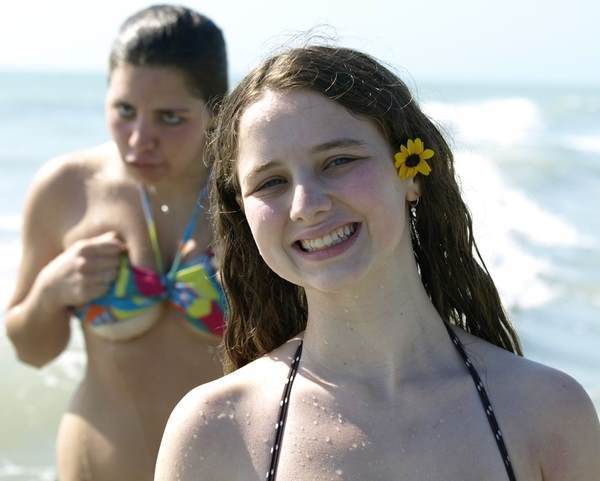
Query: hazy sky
[[550, 41]]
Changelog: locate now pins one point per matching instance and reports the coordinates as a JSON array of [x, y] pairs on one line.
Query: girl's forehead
[[293, 112]]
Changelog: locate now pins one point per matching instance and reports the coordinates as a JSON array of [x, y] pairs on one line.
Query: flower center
[[412, 160]]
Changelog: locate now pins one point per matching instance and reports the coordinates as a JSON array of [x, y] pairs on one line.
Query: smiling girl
[[369, 339]]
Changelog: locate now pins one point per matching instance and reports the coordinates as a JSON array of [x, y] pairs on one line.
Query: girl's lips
[[328, 239], [332, 251]]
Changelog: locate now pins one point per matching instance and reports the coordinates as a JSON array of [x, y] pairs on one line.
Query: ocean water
[[528, 158]]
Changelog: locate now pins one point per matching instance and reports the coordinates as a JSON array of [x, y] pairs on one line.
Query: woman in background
[[369, 339], [117, 235]]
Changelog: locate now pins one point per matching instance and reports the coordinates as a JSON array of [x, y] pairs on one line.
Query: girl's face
[[319, 190], [156, 123]]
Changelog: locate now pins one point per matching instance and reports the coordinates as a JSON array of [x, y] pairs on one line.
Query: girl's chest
[[356, 441]]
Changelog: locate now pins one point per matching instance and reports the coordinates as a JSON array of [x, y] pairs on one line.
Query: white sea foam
[[11, 254], [10, 470], [10, 223], [588, 143], [503, 218], [500, 121]]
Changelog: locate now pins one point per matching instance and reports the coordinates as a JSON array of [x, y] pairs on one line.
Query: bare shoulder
[[63, 169], [61, 177], [542, 409], [224, 422]]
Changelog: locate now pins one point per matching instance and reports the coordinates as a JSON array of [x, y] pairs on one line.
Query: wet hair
[[266, 310], [177, 37]]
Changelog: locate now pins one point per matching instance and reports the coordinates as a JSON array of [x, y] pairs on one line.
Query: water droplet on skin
[[315, 422], [354, 446], [231, 416], [164, 209], [328, 440], [194, 435], [228, 402], [221, 415], [339, 472], [309, 457]]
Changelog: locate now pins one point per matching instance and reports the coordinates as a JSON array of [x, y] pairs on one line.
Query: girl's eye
[[125, 111], [339, 161], [171, 118], [270, 183]]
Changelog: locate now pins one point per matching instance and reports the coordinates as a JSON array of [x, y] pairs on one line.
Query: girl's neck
[[383, 330]]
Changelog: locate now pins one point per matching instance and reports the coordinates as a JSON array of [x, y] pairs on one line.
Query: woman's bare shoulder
[[220, 420], [542, 408], [518, 375], [59, 174]]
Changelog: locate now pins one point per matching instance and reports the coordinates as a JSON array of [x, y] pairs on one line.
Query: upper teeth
[[331, 239]]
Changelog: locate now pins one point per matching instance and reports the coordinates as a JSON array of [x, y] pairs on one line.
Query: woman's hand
[[84, 271]]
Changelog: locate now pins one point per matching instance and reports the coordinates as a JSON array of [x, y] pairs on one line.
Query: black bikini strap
[[283, 408], [485, 401]]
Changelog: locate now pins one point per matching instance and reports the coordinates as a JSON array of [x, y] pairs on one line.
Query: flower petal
[[400, 158], [410, 146], [423, 167], [403, 172], [427, 154], [418, 146]]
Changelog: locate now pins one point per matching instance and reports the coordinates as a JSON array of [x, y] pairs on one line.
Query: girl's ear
[[413, 190]]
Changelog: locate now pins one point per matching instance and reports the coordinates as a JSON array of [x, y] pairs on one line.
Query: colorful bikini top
[[128, 309], [483, 397]]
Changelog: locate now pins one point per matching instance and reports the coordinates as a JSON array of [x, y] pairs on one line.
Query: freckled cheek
[[189, 135], [120, 132], [365, 188], [264, 219]]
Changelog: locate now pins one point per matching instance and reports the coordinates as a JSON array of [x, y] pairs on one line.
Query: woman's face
[[157, 124], [319, 189]]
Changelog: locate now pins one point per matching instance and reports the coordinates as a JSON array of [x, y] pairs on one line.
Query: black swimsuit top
[[485, 401]]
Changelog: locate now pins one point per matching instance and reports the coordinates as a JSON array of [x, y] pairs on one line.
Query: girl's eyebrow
[[343, 142], [182, 110]]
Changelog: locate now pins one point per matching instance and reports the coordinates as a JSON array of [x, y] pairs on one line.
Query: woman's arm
[[49, 279], [202, 440], [570, 448]]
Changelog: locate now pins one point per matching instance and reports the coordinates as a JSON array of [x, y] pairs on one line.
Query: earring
[[412, 205], [413, 208]]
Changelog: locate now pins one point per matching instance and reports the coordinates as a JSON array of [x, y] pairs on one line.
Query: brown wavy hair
[[177, 37], [266, 310]]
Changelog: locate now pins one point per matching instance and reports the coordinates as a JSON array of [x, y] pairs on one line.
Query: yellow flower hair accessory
[[412, 159]]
